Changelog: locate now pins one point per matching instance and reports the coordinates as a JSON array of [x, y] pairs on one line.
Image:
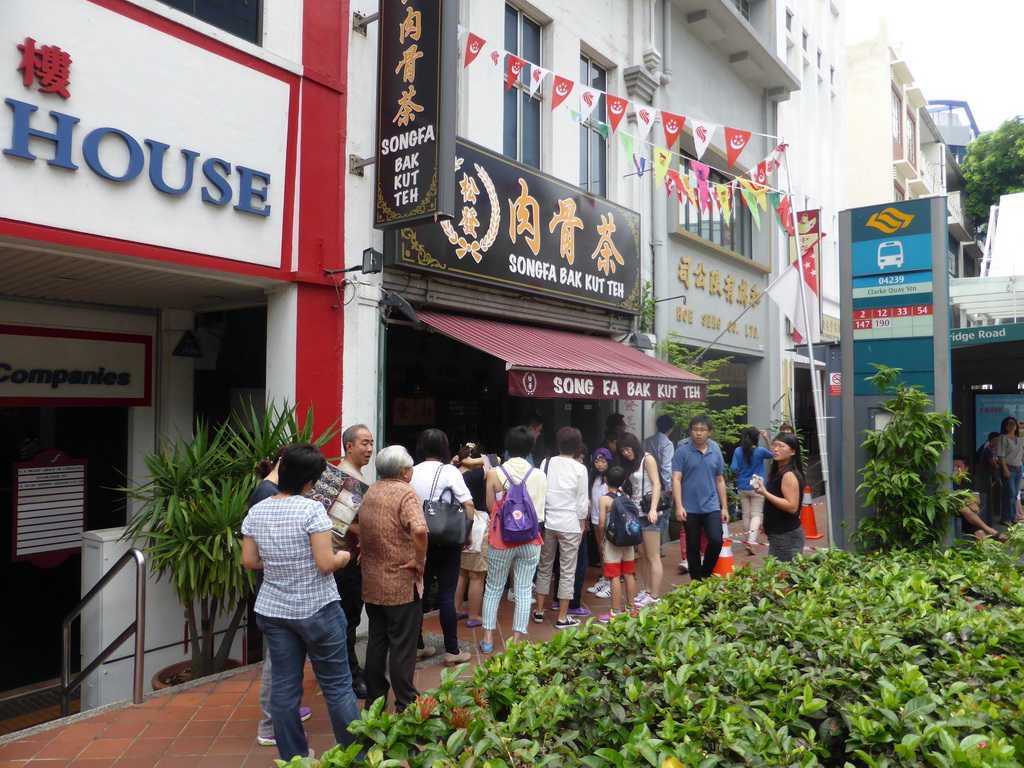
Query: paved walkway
[[213, 724]]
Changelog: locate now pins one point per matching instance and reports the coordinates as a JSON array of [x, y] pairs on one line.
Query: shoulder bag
[[446, 520]]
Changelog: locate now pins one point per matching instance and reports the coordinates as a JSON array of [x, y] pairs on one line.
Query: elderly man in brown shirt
[[393, 550]]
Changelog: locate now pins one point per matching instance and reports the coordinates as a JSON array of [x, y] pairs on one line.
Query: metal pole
[[140, 627], [816, 394]]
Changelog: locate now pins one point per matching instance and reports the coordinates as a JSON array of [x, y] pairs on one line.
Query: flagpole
[[816, 393]]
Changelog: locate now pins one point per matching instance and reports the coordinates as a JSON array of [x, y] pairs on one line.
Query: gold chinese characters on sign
[[715, 282]]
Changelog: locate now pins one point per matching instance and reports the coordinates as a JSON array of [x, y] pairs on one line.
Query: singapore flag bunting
[[616, 109], [735, 141], [474, 45], [702, 135], [589, 97], [537, 75], [561, 90], [645, 117]]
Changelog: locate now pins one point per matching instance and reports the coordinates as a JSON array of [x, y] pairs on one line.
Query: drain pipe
[[658, 202]]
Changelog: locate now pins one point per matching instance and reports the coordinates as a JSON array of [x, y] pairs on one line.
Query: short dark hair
[[433, 444], [614, 421], [664, 423], [519, 442], [704, 419], [961, 457], [615, 477], [568, 440], [533, 419], [992, 434], [301, 463], [470, 450]]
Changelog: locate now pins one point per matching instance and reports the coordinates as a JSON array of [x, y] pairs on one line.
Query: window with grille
[[593, 145], [521, 126], [239, 17], [737, 235]]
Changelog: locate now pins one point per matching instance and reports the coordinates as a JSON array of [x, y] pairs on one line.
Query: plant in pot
[[189, 518]]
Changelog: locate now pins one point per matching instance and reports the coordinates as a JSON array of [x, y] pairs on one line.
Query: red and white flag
[[672, 125], [645, 117], [735, 142], [799, 306], [514, 67], [474, 44], [589, 98], [702, 135], [616, 110], [537, 75], [561, 91]]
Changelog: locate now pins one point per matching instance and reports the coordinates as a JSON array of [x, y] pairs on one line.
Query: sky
[[956, 50]]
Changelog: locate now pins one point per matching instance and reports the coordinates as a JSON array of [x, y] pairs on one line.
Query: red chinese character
[[49, 64]]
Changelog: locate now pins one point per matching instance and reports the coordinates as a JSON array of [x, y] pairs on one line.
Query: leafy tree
[[728, 421], [912, 501], [994, 166]]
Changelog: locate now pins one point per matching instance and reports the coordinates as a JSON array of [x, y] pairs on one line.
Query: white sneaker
[[601, 584], [641, 598], [605, 592], [512, 598], [684, 567]]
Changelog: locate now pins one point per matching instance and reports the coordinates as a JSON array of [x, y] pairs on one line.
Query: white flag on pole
[[785, 291]]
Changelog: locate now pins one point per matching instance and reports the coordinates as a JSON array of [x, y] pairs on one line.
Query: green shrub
[[841, 659]]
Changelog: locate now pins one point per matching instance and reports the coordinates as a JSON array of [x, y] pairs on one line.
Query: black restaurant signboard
[[416, 75], [519, 229]]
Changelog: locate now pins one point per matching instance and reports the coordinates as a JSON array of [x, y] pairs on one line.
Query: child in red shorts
[[617, 560]]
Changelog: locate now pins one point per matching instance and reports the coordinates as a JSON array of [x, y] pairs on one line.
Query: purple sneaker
[[581, 611], [554, 605], [304, 713]]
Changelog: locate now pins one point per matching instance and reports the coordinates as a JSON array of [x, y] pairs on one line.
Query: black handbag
[[446, 520], [647, 497]]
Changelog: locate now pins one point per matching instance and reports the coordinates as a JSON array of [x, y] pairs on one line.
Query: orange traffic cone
[[724, 566], [807, 516]]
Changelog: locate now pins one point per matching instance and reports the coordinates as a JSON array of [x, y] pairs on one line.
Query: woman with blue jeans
[[298, 607], [501, 556], [1010, 449]]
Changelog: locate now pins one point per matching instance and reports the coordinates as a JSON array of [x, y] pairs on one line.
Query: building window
[[743, 6], [819, 59], [897, 118], [593, 146], [804, 40], [522, 112], [911, 138], [710, 225], [898, 194], [239, 17], [831, 75], [789, 20]]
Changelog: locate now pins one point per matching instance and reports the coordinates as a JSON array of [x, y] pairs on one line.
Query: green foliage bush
[[841, 659]]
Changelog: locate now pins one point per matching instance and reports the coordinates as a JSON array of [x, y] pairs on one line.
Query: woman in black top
[[781, 492]]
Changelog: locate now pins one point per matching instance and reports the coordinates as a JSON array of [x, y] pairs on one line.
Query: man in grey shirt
[[659, 445]]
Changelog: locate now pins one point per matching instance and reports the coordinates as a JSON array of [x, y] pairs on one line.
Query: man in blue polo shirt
[[698, 492]]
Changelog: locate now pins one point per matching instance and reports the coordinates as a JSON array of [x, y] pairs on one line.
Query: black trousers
[[350, 586], [711, 524], [394, 630]]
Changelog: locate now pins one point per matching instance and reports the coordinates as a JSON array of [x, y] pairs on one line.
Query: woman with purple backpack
[[503, 553]]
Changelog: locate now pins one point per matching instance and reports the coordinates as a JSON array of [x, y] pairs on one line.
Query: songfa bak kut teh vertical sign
[[416, 74]]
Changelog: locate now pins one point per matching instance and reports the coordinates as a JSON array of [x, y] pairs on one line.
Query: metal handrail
[[138, 627]]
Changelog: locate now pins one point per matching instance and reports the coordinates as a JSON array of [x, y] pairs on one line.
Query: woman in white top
[[1010, 449], [602, 460], [565, 512], [643, 479], [432, 477]]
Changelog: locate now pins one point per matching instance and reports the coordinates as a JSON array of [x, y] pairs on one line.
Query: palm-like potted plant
[[190, 513]]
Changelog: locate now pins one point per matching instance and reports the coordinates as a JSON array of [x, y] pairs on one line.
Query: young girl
[[598, 488], [643, 478], [781, 493]]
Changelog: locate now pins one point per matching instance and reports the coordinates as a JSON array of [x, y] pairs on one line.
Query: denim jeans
[[711, 524], [786, 546], [321, 637], [1011, 489], [443, 563]]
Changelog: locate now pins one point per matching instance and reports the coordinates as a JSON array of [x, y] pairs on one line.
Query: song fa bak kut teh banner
[[520, 229]]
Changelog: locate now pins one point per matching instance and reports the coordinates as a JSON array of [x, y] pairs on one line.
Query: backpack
[[622, 524], [517, 515]]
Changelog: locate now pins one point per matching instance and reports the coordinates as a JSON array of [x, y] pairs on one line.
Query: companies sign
[[416, 79], [58, 367], [527, 231]]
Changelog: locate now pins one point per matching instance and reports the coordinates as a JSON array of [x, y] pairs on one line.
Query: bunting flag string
[[699, 190]]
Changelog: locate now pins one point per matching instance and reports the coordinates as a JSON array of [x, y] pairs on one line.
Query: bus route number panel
[[892, 322]]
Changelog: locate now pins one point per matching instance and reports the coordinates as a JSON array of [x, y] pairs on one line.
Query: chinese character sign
[[521, 229], [46, 64], [415, 112]]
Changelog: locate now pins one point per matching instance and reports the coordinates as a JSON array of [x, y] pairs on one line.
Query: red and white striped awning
[[543, 362]]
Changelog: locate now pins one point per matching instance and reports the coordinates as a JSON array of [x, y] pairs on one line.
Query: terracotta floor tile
[[123, 730], [83, 730], [19, 750], [148, 747], [48, 735], [229, 698], [190, 745], [196, 728], [187, 699], [238, 728], [261, 759], [174, 714], [246, 712], [65, 748], [176, 761], [108, 748], [239, 683], [232, 745], [92, 762], [222, 761], [133, 762], [221, 712], [163, 730], [137, 714]]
